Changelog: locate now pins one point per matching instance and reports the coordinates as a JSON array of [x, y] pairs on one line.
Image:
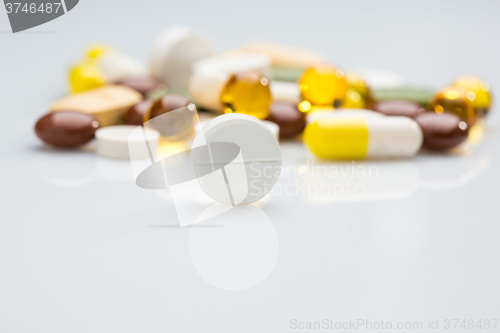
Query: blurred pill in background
[[248, 93], [288, 117], [210, 76], [175, 51], [454, 100], [285, 91], [146, 86], [136, 114], [398, 107], [323, 85], [478, 91], [358, 94], [288, 62], [166, 104], [103, 65], [416, 94], [340, 113], [442, 131], [116, 141], [108, 104]]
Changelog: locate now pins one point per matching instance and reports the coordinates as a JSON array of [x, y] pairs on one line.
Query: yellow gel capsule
[[454, 100], [248, 93], [85, 76], [478, 91], [323, 86], [338, 138], [358, 95]]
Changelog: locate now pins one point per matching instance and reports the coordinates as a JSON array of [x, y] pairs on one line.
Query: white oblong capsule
[[285, 91], [341, 113], [363, 137], [117, 66], [211, 74], [394, 137]]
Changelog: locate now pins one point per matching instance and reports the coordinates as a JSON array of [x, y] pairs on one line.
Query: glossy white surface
[[82, 249]]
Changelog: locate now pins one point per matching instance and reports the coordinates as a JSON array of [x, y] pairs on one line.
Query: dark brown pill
[[174, 124], [143, 85], [166, 104], [66, 129], [442, 130], [288, 117], [396, 107], [135, 115]]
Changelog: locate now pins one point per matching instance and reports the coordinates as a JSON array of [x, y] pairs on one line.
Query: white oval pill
[[394, 137], [258, 168], [175, 51], [116, 141], [117, 66], [210, 75]]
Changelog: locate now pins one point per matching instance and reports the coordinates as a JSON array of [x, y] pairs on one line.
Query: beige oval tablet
[[108, 104]]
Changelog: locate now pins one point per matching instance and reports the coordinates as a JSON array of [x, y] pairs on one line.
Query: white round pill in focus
[[254, 172]]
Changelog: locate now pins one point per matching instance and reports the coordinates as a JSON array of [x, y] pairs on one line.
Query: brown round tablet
[[66, 129], [442, 130], [135, 115], [143, 85], [397, 107], [289, 118], [165, 104]]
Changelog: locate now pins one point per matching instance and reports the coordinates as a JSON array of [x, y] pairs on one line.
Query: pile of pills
[[294, 93]]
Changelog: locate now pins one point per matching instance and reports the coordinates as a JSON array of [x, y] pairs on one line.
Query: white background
[[84, 250]]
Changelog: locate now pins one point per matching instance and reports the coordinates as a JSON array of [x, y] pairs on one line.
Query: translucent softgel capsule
[[358, 95], [454, 100], [248, 93], [359, 137], [322, 86], [478, 91]]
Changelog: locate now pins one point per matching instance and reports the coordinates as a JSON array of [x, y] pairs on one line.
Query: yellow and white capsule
[[359, 137]]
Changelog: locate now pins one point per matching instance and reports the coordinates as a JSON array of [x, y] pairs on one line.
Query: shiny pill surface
[[66, 129], [363, 137], [136, 113], [289, 118], [442, 131]]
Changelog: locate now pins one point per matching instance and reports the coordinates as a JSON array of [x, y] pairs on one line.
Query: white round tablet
[[256, 169], [175, 51], [117, 141], [211, 74]]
